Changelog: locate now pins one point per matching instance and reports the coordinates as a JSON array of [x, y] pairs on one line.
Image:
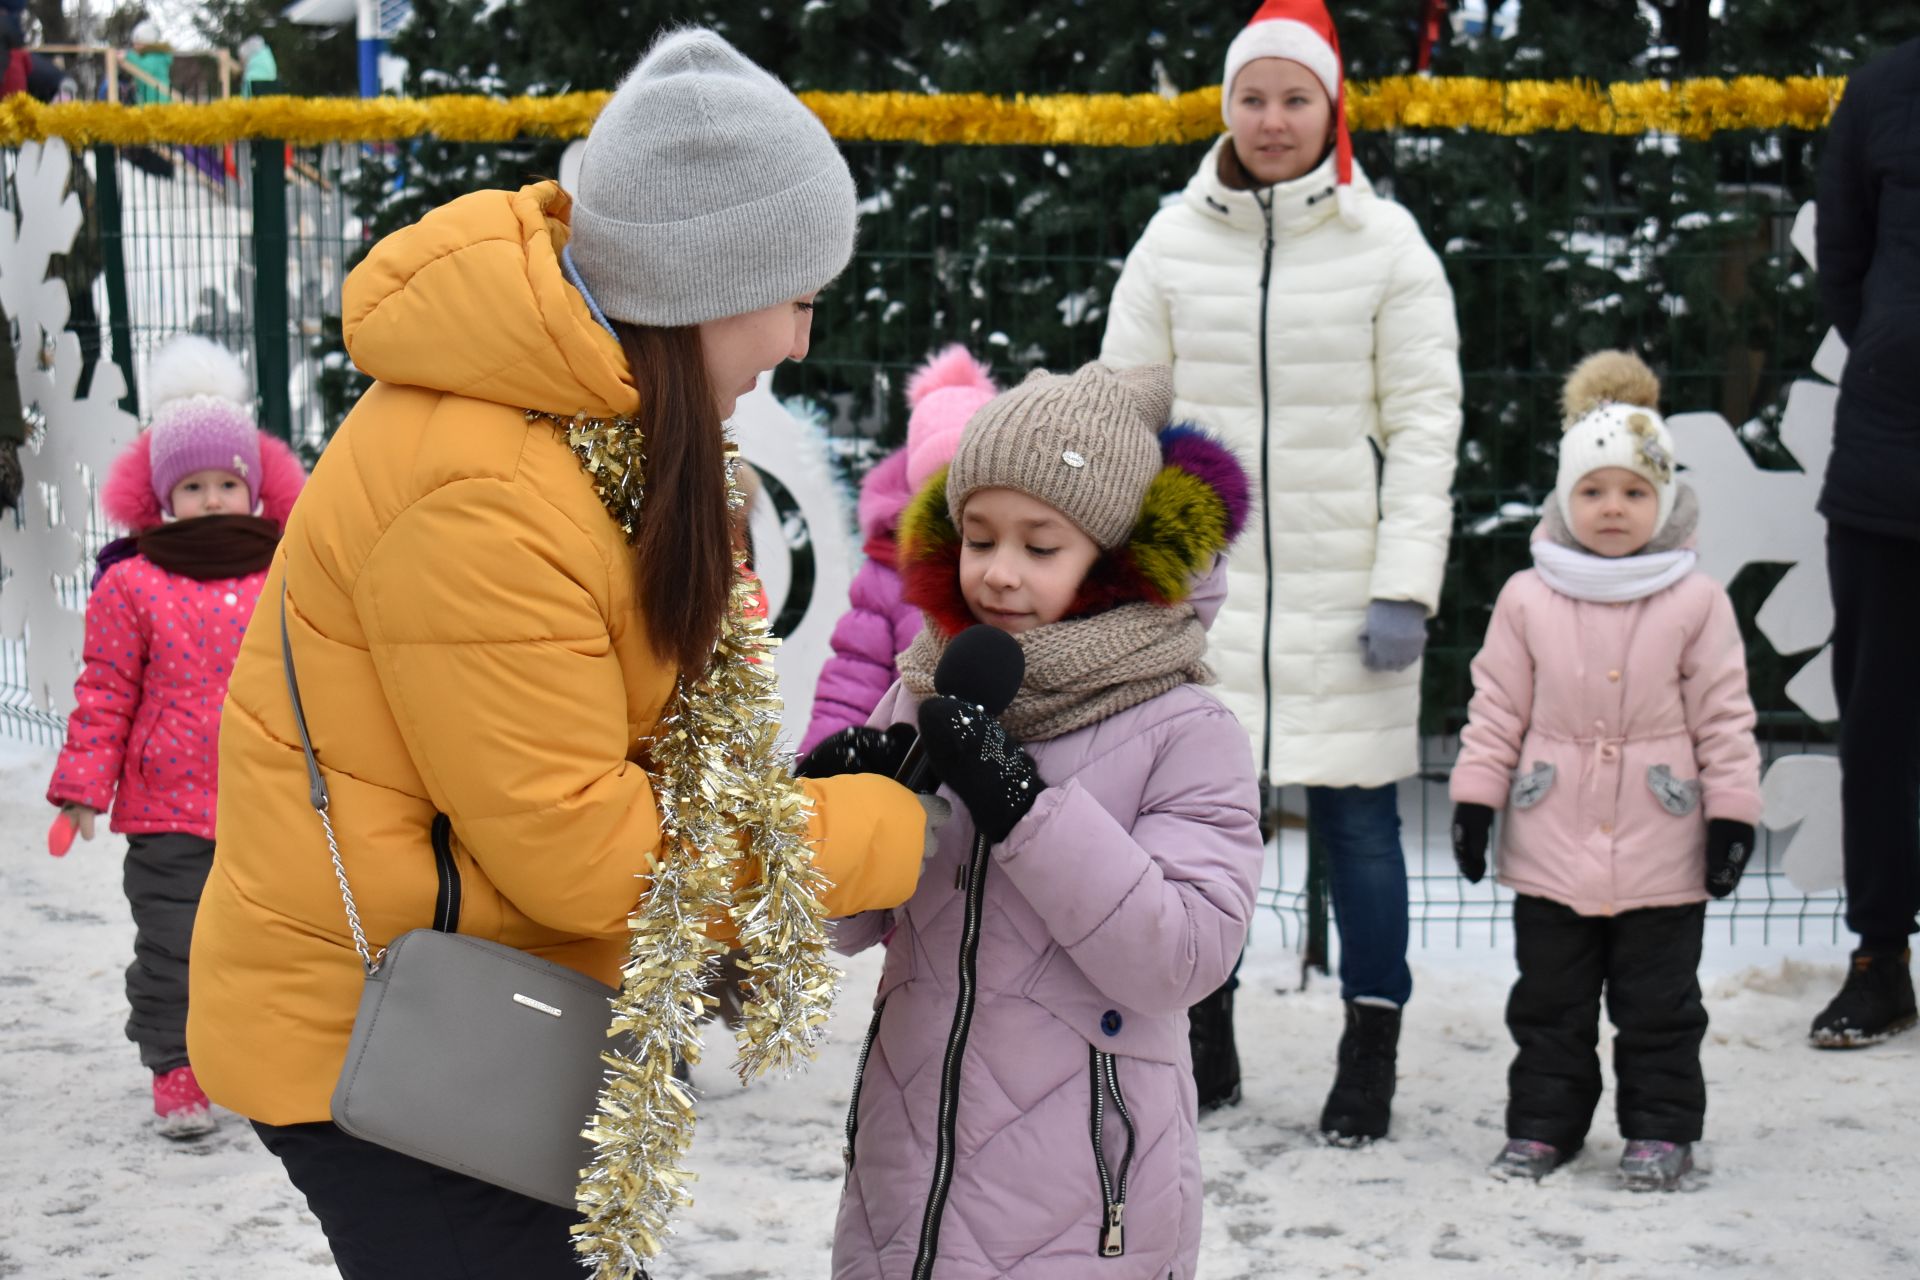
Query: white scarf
[[1610, 579]]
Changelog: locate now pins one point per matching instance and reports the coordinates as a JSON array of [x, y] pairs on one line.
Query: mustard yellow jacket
[[467, 629]]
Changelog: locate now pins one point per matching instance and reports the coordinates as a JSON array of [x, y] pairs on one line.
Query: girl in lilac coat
[[1611, 721], [878, 625], [1026, 1106], [205, 495]]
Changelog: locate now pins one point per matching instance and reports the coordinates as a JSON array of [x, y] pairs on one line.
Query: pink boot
[[183, 1109]]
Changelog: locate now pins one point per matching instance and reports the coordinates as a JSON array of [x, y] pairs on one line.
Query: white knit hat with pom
[[1612, 419]]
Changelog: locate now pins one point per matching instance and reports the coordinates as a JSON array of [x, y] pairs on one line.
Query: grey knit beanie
[[706, 190], [1085, 443]]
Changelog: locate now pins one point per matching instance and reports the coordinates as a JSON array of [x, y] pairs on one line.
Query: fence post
[[111, 228], [270, 364]]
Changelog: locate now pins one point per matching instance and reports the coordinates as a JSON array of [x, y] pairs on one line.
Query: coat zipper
[[1266, 494], [859, 1079], [1113, 1191], [950, 1071]]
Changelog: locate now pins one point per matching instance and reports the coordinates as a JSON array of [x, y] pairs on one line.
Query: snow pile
[[1808, 1148]]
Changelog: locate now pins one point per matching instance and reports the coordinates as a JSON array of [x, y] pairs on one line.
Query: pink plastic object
[[60, 835]]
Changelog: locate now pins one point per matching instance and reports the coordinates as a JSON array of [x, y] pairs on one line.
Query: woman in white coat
[[1307, 320]]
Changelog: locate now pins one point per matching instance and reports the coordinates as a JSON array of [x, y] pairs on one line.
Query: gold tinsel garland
[[725, 792], [1691, 108]]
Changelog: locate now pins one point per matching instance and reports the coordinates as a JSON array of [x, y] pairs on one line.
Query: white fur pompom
[[190, 365]]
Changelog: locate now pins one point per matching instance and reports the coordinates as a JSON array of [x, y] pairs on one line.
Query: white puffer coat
[[1327, 354]]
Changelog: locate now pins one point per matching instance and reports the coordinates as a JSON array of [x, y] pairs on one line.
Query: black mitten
[[1729, 845], [858, 750], [989, 771], [1471, 823]]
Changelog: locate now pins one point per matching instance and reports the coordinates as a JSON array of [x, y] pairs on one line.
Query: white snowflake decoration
[[43, 572], [793, 453], [1750, 515]]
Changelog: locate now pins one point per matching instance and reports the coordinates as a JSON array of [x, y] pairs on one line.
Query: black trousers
[[1647, 962], [163, 877], [1875, 581], [390, 1217]]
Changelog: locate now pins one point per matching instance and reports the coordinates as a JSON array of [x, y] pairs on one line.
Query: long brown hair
[[684, 537]]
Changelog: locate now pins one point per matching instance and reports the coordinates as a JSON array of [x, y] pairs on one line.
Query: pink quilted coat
[[877, 626], [143, 739], [1610, 734], [1121, 899]]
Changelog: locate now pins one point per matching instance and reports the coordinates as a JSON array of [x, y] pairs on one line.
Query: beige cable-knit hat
[[1085, 443]]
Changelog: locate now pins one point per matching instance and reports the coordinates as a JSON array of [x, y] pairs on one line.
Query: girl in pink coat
[[1610, 721], [205, 496], [878, 625], [1025, 1109]]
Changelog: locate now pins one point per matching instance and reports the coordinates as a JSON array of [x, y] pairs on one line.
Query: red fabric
[[14, 79]]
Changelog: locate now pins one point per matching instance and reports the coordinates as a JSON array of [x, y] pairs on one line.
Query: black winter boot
[[1875, 1004], [1361, 1103], [11, 479], [1216, 1062]]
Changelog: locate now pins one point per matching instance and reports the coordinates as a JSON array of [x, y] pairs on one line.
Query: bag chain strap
[[317, 795]]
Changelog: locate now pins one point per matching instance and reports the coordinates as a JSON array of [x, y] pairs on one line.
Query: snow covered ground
[[1813, 1153]]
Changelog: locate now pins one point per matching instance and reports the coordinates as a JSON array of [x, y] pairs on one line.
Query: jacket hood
[[884, 494], [1193, 510], [127, 496], [472, 301], [1298, 204]]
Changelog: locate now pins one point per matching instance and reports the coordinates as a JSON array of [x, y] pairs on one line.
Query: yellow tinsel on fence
[[1690, 108]]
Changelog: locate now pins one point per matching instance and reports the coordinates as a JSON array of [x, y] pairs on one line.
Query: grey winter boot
[[1360, 1106], [1523, 1158], [1649, 1164]]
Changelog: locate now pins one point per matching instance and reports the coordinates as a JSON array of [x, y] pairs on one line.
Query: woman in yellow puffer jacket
[[478, 636]]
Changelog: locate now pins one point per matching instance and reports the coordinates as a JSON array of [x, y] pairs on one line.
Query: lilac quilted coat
[[1122, 898], [877, 627]]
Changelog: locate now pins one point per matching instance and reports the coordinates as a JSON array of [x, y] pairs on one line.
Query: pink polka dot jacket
[[143, 740]]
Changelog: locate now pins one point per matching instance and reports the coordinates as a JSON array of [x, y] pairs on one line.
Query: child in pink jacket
[[878, 625], [1610, 720], [205, 495]]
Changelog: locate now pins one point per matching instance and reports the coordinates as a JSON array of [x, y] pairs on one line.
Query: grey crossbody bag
[[467, 1054]]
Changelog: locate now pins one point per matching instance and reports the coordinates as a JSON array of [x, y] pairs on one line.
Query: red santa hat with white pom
[[1300, 31]]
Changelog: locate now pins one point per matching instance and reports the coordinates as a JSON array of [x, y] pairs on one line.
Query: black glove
[[1471, 823], [989, 771], [1729, 845], [858, 750]]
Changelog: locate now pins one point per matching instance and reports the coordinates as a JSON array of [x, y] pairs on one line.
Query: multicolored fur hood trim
[[1193, 510]]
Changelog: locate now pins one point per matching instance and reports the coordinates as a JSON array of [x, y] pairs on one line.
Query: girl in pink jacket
[[1025, 1108], [205, 496], [878, 625], [1610, 720]]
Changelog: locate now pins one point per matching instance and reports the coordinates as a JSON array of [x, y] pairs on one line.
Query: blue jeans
[[1359, 827]]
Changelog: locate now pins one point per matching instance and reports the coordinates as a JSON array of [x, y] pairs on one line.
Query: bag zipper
[[950, 1070], [1113, 1191], [859, 1079]]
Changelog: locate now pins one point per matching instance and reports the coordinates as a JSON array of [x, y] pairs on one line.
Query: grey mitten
[[1395, 634]]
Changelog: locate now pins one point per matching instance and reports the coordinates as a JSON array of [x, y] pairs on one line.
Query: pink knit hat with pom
[[943, 394], [202, 417]]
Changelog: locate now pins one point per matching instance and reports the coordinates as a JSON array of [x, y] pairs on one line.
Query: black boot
[[1876, 1003], [11, 479], [1216, 1063], [1361, 1103]]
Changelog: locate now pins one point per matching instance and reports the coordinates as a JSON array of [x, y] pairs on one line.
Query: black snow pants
[[1647, 962], [163, 877]]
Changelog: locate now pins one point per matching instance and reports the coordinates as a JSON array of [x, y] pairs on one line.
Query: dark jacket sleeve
[[1848, 202]]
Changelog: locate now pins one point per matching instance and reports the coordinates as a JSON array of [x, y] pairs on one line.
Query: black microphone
[[982, 665]]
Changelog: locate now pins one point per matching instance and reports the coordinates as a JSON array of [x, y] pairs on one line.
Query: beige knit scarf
[[1081, 671]]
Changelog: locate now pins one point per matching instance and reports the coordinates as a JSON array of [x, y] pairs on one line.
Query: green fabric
[[157, 63]]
